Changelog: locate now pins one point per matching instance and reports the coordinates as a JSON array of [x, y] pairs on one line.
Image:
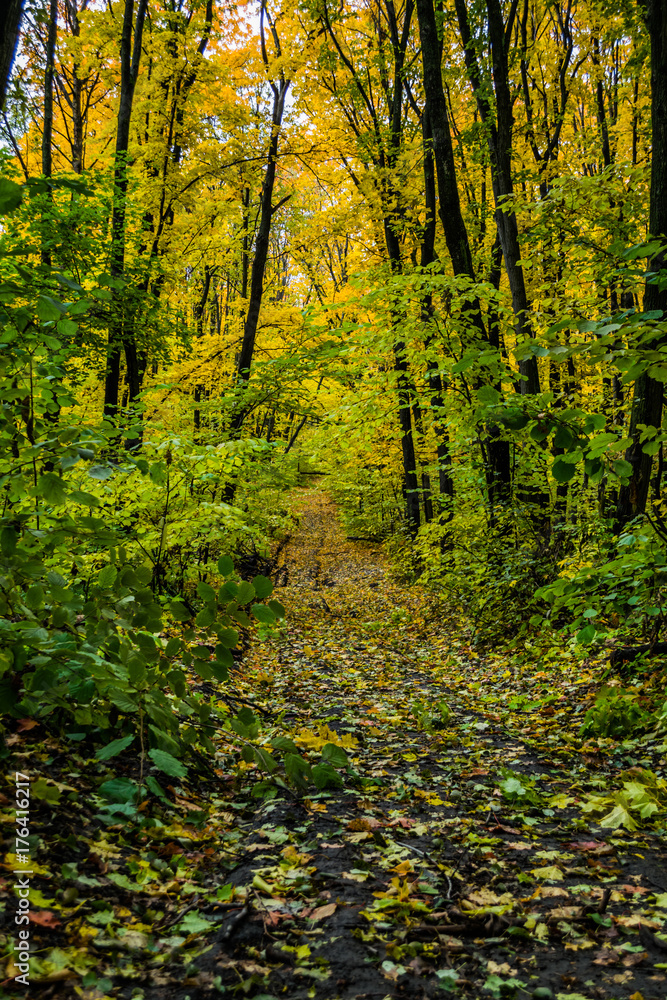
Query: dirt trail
[[420, 877]]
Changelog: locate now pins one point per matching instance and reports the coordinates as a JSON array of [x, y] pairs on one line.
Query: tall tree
[[10, 19], [497, 118], [47, 128], [120, 338], [647, 401], [456, 235], [279, 84], [371, 93]]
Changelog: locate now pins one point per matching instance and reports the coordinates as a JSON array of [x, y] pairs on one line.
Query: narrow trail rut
[[421, 877]]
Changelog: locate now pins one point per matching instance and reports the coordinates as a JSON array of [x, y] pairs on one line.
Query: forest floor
[[454, 860]]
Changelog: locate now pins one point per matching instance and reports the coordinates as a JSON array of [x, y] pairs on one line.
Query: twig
[[234, 923]]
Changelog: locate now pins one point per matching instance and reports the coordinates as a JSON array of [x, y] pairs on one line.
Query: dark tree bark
[[428, 256], [648, 393], [449, 204], [279, 88], [119, 337], [10, 18], [498, 127], [47, 128], [456, 235], [366, 119]]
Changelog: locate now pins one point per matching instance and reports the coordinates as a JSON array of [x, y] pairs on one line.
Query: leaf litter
[[459, 838]]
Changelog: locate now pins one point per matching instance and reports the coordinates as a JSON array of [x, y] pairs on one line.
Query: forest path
[[431, 869]]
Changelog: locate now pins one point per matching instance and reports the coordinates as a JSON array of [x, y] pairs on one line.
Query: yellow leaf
[[551, 872]]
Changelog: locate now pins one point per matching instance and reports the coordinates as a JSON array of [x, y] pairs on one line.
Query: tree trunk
[[428, 256], [456, 235], [119, 337], [648, 393], [449, 205], [47, 129], [499, 139], [10, 18], [258, 269]]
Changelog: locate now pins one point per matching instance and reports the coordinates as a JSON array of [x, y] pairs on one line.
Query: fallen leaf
[[44, 918]]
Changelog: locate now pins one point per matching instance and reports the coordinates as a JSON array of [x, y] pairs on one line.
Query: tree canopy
[[415, 247]]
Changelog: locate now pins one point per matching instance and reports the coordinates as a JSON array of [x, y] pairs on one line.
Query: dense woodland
[[413, 250]]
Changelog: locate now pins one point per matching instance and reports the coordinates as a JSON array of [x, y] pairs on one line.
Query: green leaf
[[168, 764], [49, 310], [285, 743], [621, 468], [136, 668], [512, 789], [177, 683], [516, 420], [173, 646], [67, 327], [179, 611], [206, 617], [263, 614], [488, 395], [8, 540], [206, 592], [245, 593], [324, 776], [225, 566], [297, 770], [11, 195], [241, 617], [563, 471], [586, 635], [220, 670], [52, 488], [263, 587], [246, 716], [334, 754], [100, 472], [119, 790], [651, 447], [223, 654], [114, 748], [265, 760], [155, 787], [228, 637], [563, 438], [34, 597], [277, 608], [107, 576], [193, 923], [122, 700], [619, 815], [85, 499]]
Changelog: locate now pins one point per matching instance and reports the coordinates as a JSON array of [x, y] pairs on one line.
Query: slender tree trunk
[[267, 209], [428, 256], [456, 235], [449, 205], [47, 130], [200, 306], [648, 393], [119, 337], [499, 138], [10, 19]]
